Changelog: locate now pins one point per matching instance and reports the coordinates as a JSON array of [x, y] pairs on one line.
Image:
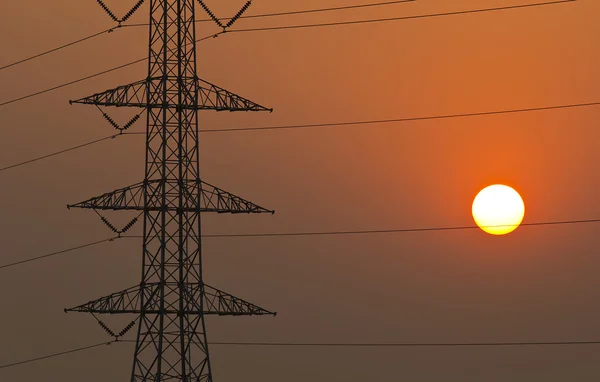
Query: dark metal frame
[[172, 298]]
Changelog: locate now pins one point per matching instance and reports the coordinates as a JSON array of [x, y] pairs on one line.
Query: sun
[[498, 209]]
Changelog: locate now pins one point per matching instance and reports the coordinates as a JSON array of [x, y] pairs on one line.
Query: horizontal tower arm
[[214, 302], [212, 199], [210, 97]]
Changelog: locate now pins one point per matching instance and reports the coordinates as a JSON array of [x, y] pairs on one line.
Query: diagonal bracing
[[211, 199], [206, 300], [171, 299], [210, 97]]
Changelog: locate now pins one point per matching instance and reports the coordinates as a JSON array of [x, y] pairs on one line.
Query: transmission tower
[[171, 300]]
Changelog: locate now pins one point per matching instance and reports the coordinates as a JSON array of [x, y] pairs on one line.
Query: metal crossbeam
[[210, 97], [211, 199], [210, 301]]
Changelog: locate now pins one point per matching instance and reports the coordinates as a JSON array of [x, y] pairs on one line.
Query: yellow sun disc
[[498, 209]]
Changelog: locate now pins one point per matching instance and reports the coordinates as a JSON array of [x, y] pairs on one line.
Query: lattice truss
[[210, 97], [171, 299], [156, 195]]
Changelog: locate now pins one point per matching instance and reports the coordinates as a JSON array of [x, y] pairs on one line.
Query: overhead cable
[[336, 345], [481, 10], [300, 12], [390, 231], [318, 233], [406, 344], [407, 119], [54, 355], [327, 125], [29, 161], [402, 18], [110, 30], [61, 252], [64, 85]]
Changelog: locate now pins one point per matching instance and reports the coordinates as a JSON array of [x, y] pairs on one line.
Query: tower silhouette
[[172, 299]]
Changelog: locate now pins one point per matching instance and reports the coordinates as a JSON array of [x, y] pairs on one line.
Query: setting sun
[[498, 209]]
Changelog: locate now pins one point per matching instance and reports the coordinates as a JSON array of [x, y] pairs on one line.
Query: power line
[[89, 77], [267, 15], [408, 119], [289, 13], [335, 345], [481, 10], [406, 344], [351, 123], [55, 355], [305, 11], [57, 253], [454, 13], [324, 125], [399, 344], [70, 83], [59, 152], [58, 48], [264, 15], [299, 12], [314, 233], [400, 230], [110, 30]]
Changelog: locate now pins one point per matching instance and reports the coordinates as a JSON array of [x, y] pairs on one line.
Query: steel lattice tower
[[172, 299]]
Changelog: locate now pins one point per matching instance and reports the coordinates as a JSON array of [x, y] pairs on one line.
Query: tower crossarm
[[210, 97], [213, 97], [199, 300], [224, 304], [126, 301], [127, 198], [211, 199], [132, 95], [214, 199]]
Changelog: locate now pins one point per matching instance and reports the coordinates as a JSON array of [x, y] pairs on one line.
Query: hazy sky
[[537, 284]]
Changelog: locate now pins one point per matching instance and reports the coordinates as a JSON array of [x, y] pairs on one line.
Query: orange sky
[[539, 283]]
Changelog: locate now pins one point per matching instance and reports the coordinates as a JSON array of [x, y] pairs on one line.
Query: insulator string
[[239, 14], [209, 13], [107, 10], [124, 18], [110, 226], [114, 124], [132, 11], [127, 328], [105, 327]]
